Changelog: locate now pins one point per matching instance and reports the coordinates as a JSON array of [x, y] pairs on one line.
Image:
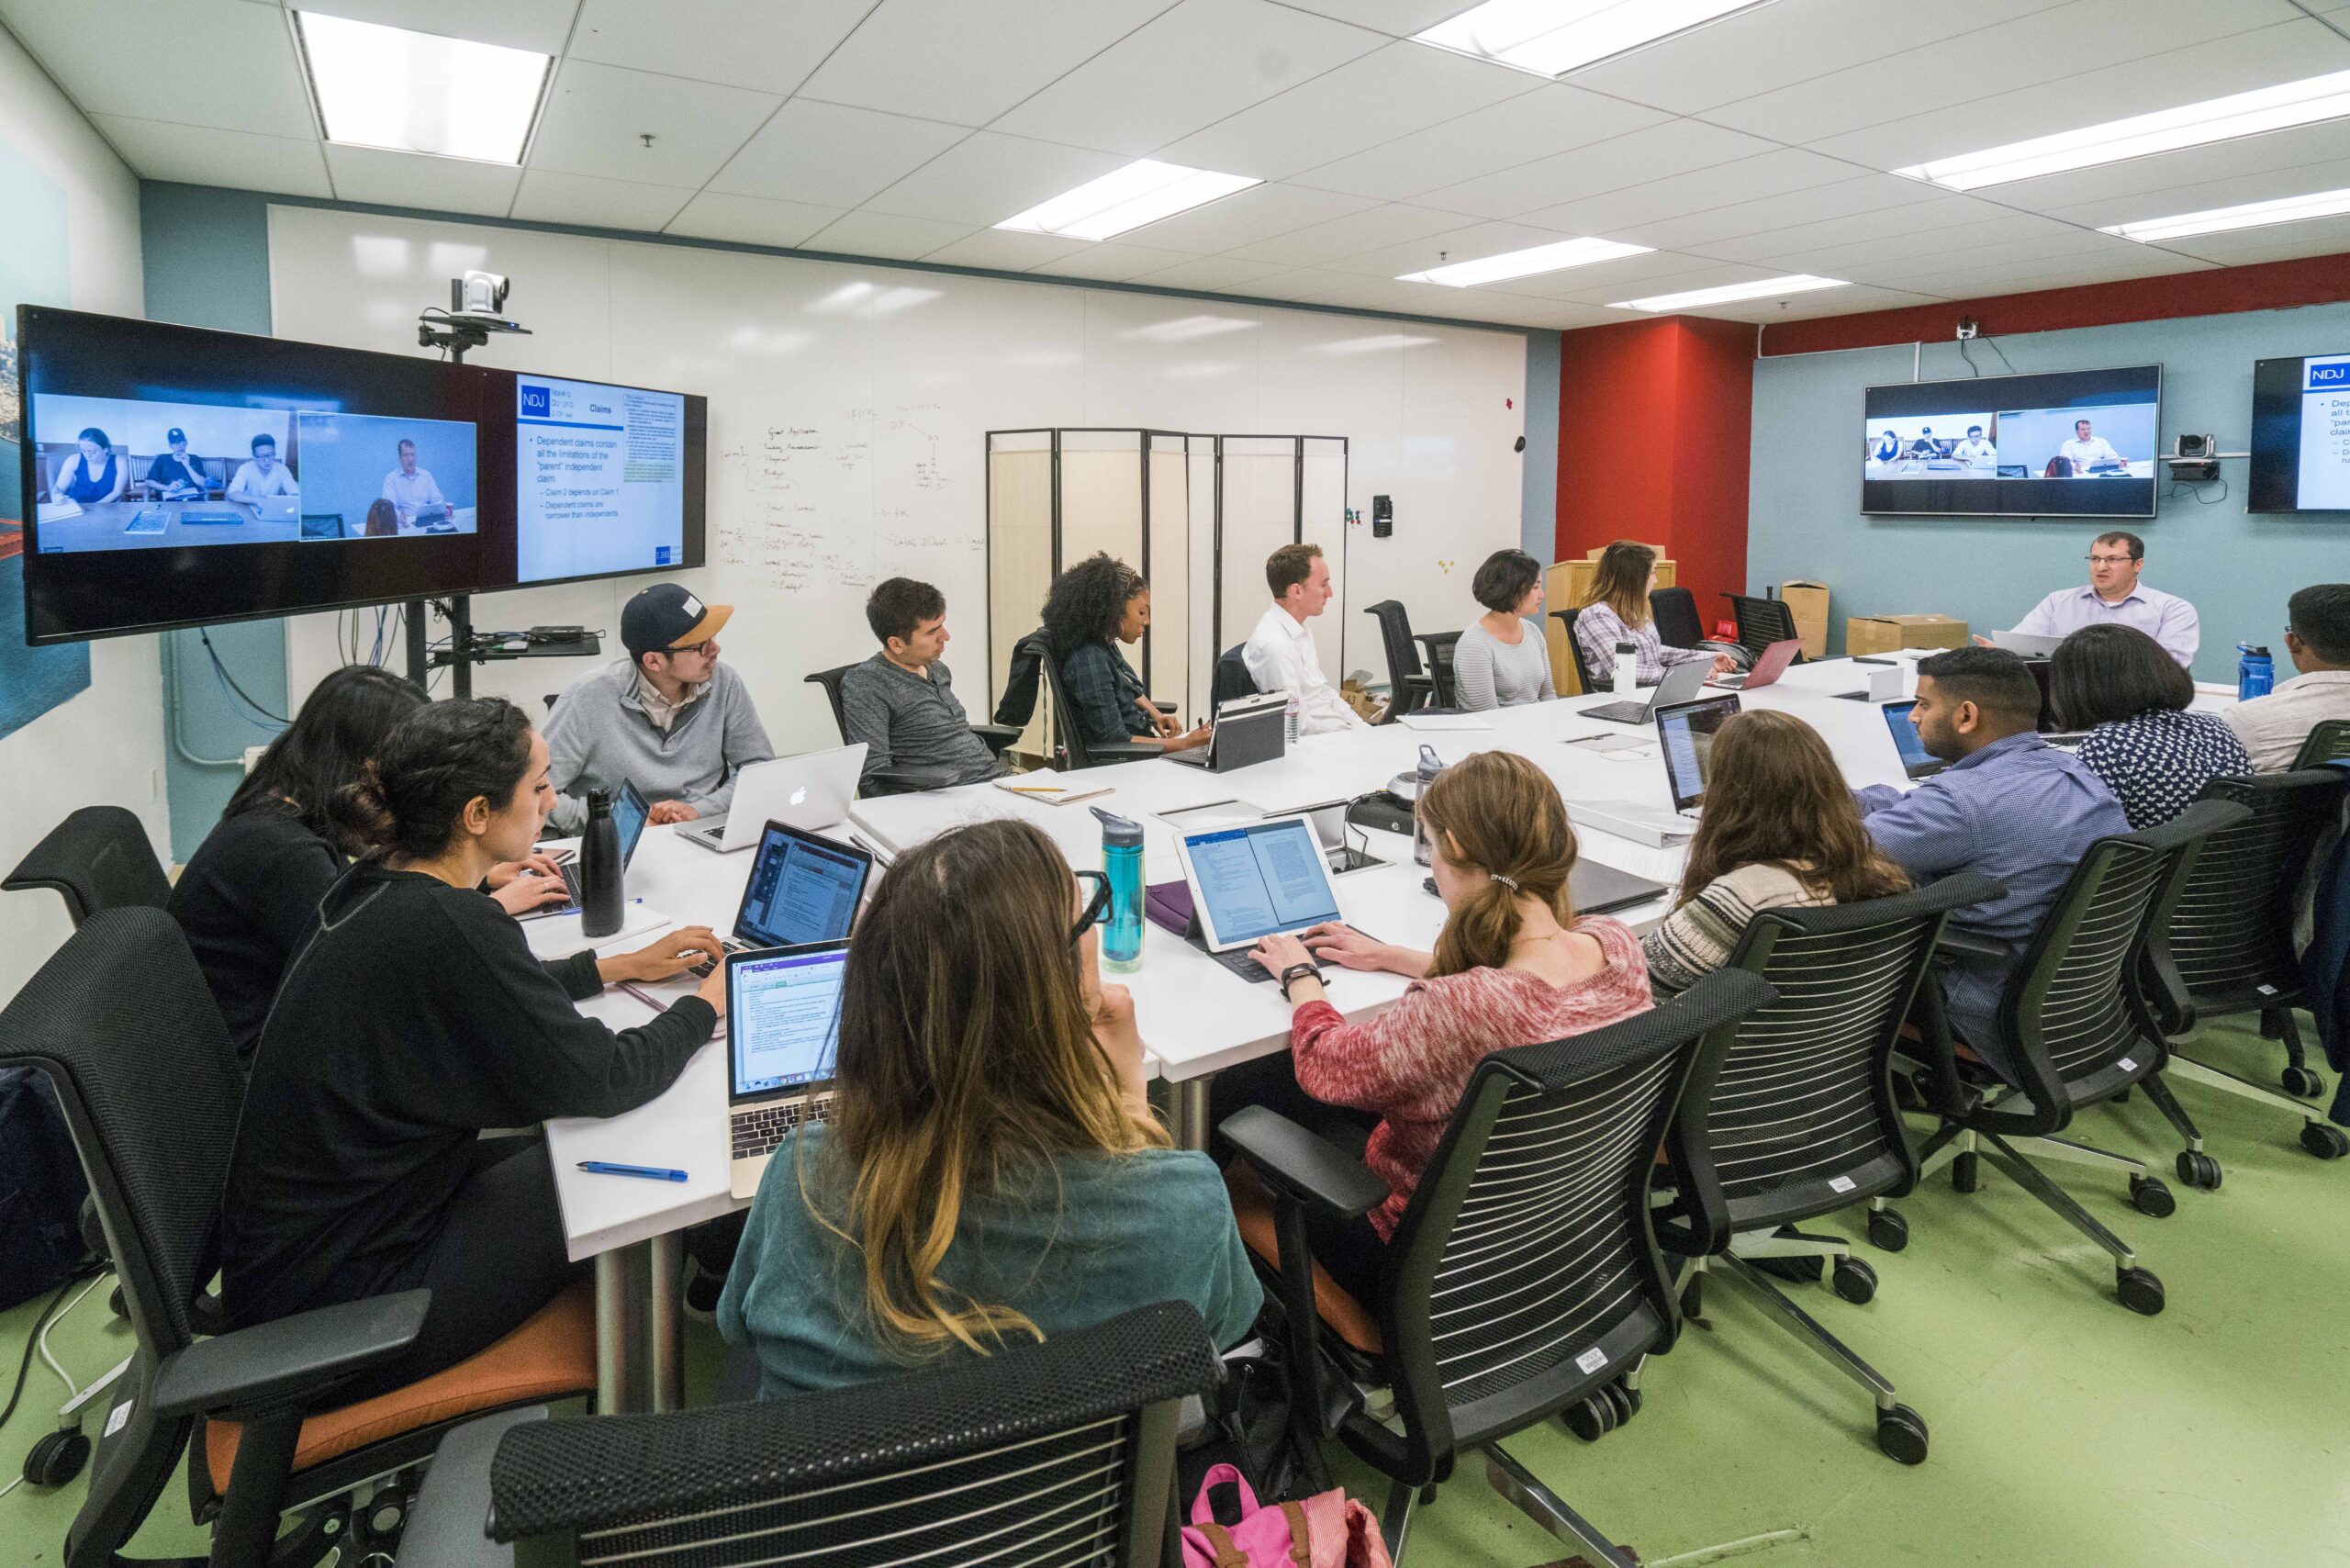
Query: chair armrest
[[289, 1361], [448, 1524], [1296, 1164], [1976, 949], [905, 780], [996, 738]]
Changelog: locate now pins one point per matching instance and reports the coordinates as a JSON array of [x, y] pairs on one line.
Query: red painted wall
[[1655, 421]]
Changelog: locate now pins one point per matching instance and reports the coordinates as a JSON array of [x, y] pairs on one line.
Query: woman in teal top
[[991, 1173]]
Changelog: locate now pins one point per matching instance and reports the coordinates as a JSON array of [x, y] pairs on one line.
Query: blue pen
[[651, 1173]]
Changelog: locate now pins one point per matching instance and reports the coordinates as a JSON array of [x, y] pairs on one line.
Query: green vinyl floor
[[2065, 1430]]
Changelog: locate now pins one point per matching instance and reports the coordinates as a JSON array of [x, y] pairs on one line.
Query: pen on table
[[1036, 788], [650, 1172]]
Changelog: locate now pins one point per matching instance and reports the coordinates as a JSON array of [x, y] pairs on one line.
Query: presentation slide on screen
[[788, 1022], [598, 477], [2325, 434]]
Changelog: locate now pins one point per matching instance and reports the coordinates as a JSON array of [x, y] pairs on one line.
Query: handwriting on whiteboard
[[839, 503]]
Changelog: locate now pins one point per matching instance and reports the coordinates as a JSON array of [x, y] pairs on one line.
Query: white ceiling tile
[[547, 196], [742, 43], [717, 215], [197, 155], [1373, 229], [1516, 130], [988, 177], [867, 233], [1110, 261], [540, 26], [2070, 251], [1975, 283], [832, 156], [1829, 236], [1662, 272], [1676, 147], [1468, 243], [1213, 274], [1563, 318], [411, 179], [2278, 242], [1387, 94], [1700, 190], [2192, 178], [1006, 250], [955, 60], [596, 114], [1258, 213], [1190, 68], [1306, 284], [1401, 19], [1810, 307], [1868, 194], [233, 66]]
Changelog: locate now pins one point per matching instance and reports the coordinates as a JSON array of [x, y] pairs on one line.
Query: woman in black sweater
[[247, 896], [412, 1020]]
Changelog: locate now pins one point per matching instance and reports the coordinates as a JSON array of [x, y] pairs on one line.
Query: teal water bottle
[[1122, 860], [2255, 673]]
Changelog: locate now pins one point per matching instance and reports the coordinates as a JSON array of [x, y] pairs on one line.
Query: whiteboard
[[848, 412]]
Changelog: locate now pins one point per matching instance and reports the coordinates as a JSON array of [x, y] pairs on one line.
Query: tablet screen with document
[[1249, 881]]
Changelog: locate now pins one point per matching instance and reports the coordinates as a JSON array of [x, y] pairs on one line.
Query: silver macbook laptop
[[809, 791], [276, 508], [1681, 683], [2029, 644], [803, 888], [783, 1013]]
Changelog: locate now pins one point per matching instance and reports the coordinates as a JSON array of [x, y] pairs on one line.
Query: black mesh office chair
[[899, 780], [1523, 1278], [1797, 1118], [97, 858], [2228, 949], [1676, 610], [1409, 688], [1566, 619], [2076, 1033], [1061, 1453], [1760, 621], [1231, 680], [1071, 750], [121, 1023], [2328, 742]]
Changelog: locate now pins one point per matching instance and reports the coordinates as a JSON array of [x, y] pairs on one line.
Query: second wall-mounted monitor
[[2301, 435], [2064, 443], [608, 479]]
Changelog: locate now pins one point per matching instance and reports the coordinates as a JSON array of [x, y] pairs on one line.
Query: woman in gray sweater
[[1501, 660]]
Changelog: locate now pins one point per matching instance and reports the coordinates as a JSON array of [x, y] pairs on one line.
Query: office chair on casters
[[1760, 621], [897, 781], [1408, 687], [97, 858], [1231, 680], [1796, 1119], [121, 1023], [1058, 1452], [2227, 949], [2076, 1033], [1566, 619], [2327, 743], [1487, 1321], [1071, 747]]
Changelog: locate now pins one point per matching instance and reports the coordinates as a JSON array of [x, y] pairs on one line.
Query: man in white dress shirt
[[263, 476], [1975, 452], [2084, 449], [2114, 593], [1280, 653], [411, 489]]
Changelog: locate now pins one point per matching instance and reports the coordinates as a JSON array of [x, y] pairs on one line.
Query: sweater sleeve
[[568, 732], [1376, 1065], [288, 888], [1534, 635], [1472, 671], [743, 741]]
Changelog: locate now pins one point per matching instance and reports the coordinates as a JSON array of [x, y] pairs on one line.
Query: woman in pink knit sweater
[[1512, 967]]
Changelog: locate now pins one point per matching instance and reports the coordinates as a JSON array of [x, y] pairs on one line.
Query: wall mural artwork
[[34, 270]]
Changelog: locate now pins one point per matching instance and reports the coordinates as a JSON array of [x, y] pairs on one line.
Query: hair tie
[[1509, 882]]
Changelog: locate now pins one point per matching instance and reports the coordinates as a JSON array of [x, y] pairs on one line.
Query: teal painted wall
[[207, 260], [1804, 517], [1537, 519]]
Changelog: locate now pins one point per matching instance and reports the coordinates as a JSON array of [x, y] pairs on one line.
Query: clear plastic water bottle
[[1627, 670], [1430, 765], [1121, 860], [1289, 722], [601, 900], [2255, 673]]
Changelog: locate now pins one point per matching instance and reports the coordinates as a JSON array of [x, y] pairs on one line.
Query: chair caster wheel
[[385, 1515], [2325, 1142], [2198, 1171], [1622, 1401], [2140, 1291], [1693, 1298], [56, 1459], [1901, 1434], [1854, 1281], [115, 1303], [1889, 1231], [1965, 1174], [2149, 1196], [2301, 1081], [1592, 1417]]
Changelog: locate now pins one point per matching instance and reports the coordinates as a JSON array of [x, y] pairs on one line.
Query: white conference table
[[1195, 1015]]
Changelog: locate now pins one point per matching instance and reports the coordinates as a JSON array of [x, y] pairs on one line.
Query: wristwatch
[[1297, 971]]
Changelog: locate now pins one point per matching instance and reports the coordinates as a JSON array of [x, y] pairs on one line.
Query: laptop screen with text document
[[1685, 734], [784, 1019], [803, 888]]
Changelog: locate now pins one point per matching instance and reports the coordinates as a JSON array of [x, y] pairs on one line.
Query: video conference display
[[2071, 443], [2301, 435], [176, 476]]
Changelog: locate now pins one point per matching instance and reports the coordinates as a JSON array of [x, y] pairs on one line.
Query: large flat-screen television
[[2301, 435], [2063, 444], [176, 476]]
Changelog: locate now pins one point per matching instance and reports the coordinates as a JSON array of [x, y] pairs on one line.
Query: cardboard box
[[1882, 634], [1808, 602]]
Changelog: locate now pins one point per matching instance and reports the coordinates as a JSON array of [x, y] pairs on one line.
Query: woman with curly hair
[[1094, 602]]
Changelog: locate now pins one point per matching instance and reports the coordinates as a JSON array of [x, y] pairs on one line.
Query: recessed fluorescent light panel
[[1526, 264], [2219, 120], [1551, 38], [411, 92], [1143, 192], [2251, 215], [1763, 288]]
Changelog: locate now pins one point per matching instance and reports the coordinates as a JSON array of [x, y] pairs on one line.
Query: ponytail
[[408, 801], [1498, 813]]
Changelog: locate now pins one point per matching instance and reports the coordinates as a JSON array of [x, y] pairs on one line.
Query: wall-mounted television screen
[[175, 476], [2301, 435], [2063, 444]]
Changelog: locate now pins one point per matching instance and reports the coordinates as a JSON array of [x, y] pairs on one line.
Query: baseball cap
[[667, 615], [174, 436]]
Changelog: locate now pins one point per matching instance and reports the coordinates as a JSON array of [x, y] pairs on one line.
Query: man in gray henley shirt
[[901, 702]]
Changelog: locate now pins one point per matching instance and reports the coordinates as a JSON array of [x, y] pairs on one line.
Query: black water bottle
[[599, 869]]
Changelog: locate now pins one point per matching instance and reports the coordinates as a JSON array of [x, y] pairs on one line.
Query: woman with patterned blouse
[[1090, 608], [2117, 683], [1779, 831], [1617, 612]]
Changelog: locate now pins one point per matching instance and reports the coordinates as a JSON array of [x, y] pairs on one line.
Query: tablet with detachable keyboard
[[783, 1027], [1250, 880]]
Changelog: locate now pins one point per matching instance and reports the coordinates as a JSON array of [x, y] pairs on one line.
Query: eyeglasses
[[2109, 560], [701, 648], [1096, 906]]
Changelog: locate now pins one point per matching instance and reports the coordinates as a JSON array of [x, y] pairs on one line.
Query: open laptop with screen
[[1769, 666], [1248, 880], [1685, 735], [783, 1011], [630, 813], [803, 888], [1915, 760], [812, 791], [1681, 683], [1246, 731]]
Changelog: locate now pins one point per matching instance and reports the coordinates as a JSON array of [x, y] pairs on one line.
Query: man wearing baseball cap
[[175, 476], [669, 718]]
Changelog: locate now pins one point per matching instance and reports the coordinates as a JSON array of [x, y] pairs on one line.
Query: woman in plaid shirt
[[1099, 600]]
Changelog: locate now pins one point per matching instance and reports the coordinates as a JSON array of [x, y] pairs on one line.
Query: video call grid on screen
[[2014, 445], [2300, 435]]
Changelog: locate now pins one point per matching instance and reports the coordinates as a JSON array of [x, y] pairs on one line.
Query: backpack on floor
[[1328, 1530], [42, 1188]]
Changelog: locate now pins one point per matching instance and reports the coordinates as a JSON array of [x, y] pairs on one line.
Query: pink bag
[[1331, 1530]]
